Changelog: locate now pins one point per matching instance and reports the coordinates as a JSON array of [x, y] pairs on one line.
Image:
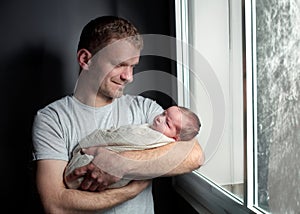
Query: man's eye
[[120, 65]]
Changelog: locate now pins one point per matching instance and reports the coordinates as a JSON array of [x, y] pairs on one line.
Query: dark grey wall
[[38, 65]]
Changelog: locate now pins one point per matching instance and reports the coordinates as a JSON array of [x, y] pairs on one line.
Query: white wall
[[220, 44]]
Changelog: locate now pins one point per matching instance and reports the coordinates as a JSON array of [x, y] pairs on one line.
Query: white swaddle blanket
[[129, 137]]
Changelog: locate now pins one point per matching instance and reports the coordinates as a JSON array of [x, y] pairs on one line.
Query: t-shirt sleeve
[[47, 137], [151, 108]]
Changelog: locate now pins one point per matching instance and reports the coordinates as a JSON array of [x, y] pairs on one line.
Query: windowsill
[[236, 189], [205, 197]]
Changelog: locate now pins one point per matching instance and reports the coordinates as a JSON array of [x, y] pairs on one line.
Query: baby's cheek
[[161, 128]]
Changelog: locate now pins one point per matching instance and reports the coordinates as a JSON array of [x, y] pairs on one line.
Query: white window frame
[[199, 191]]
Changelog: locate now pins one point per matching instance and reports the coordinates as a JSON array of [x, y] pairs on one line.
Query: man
[[108, 50]]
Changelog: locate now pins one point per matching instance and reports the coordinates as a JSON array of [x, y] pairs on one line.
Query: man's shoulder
[[60, 103], [129, 97], [138, 109], [136, 100]]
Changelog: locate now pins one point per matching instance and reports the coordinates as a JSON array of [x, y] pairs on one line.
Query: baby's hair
[[191, 124]]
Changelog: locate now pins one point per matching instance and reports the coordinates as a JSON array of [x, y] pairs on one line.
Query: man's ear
[[83, 58]]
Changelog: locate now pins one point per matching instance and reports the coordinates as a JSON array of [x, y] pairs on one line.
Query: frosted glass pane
[[278, 105]]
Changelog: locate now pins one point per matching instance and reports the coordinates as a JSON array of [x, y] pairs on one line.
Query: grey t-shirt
[[59, 127]]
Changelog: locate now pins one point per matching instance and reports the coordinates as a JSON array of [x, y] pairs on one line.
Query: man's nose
[[127, 74]]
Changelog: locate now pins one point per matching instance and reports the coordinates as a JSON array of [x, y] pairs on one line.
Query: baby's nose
[[160, 119]]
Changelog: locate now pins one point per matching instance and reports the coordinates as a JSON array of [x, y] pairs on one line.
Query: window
[[277, 118], [240, 73]]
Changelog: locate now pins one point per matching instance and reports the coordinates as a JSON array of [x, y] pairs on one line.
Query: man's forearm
[[172, 159], [89, 202], [56, 198]]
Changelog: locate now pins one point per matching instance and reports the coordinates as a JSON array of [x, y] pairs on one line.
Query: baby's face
[[169, 122]]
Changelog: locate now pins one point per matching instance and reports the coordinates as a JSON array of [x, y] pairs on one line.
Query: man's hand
[[168, 160], [94, 179]]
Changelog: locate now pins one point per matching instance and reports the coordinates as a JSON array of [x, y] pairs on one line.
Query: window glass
[[217, 55], [278, 105]]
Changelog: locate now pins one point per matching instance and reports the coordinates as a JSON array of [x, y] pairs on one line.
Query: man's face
[[115, 65], [169, 122]]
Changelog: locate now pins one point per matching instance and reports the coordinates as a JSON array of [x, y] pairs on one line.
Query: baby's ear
[[176, 138]]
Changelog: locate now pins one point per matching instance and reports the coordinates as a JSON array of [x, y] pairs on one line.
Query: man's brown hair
[[101, 31]]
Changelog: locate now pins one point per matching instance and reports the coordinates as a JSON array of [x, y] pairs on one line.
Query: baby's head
[[177, 122]]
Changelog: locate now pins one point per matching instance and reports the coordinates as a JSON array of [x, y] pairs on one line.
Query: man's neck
[[93, 101], [89, 96]]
